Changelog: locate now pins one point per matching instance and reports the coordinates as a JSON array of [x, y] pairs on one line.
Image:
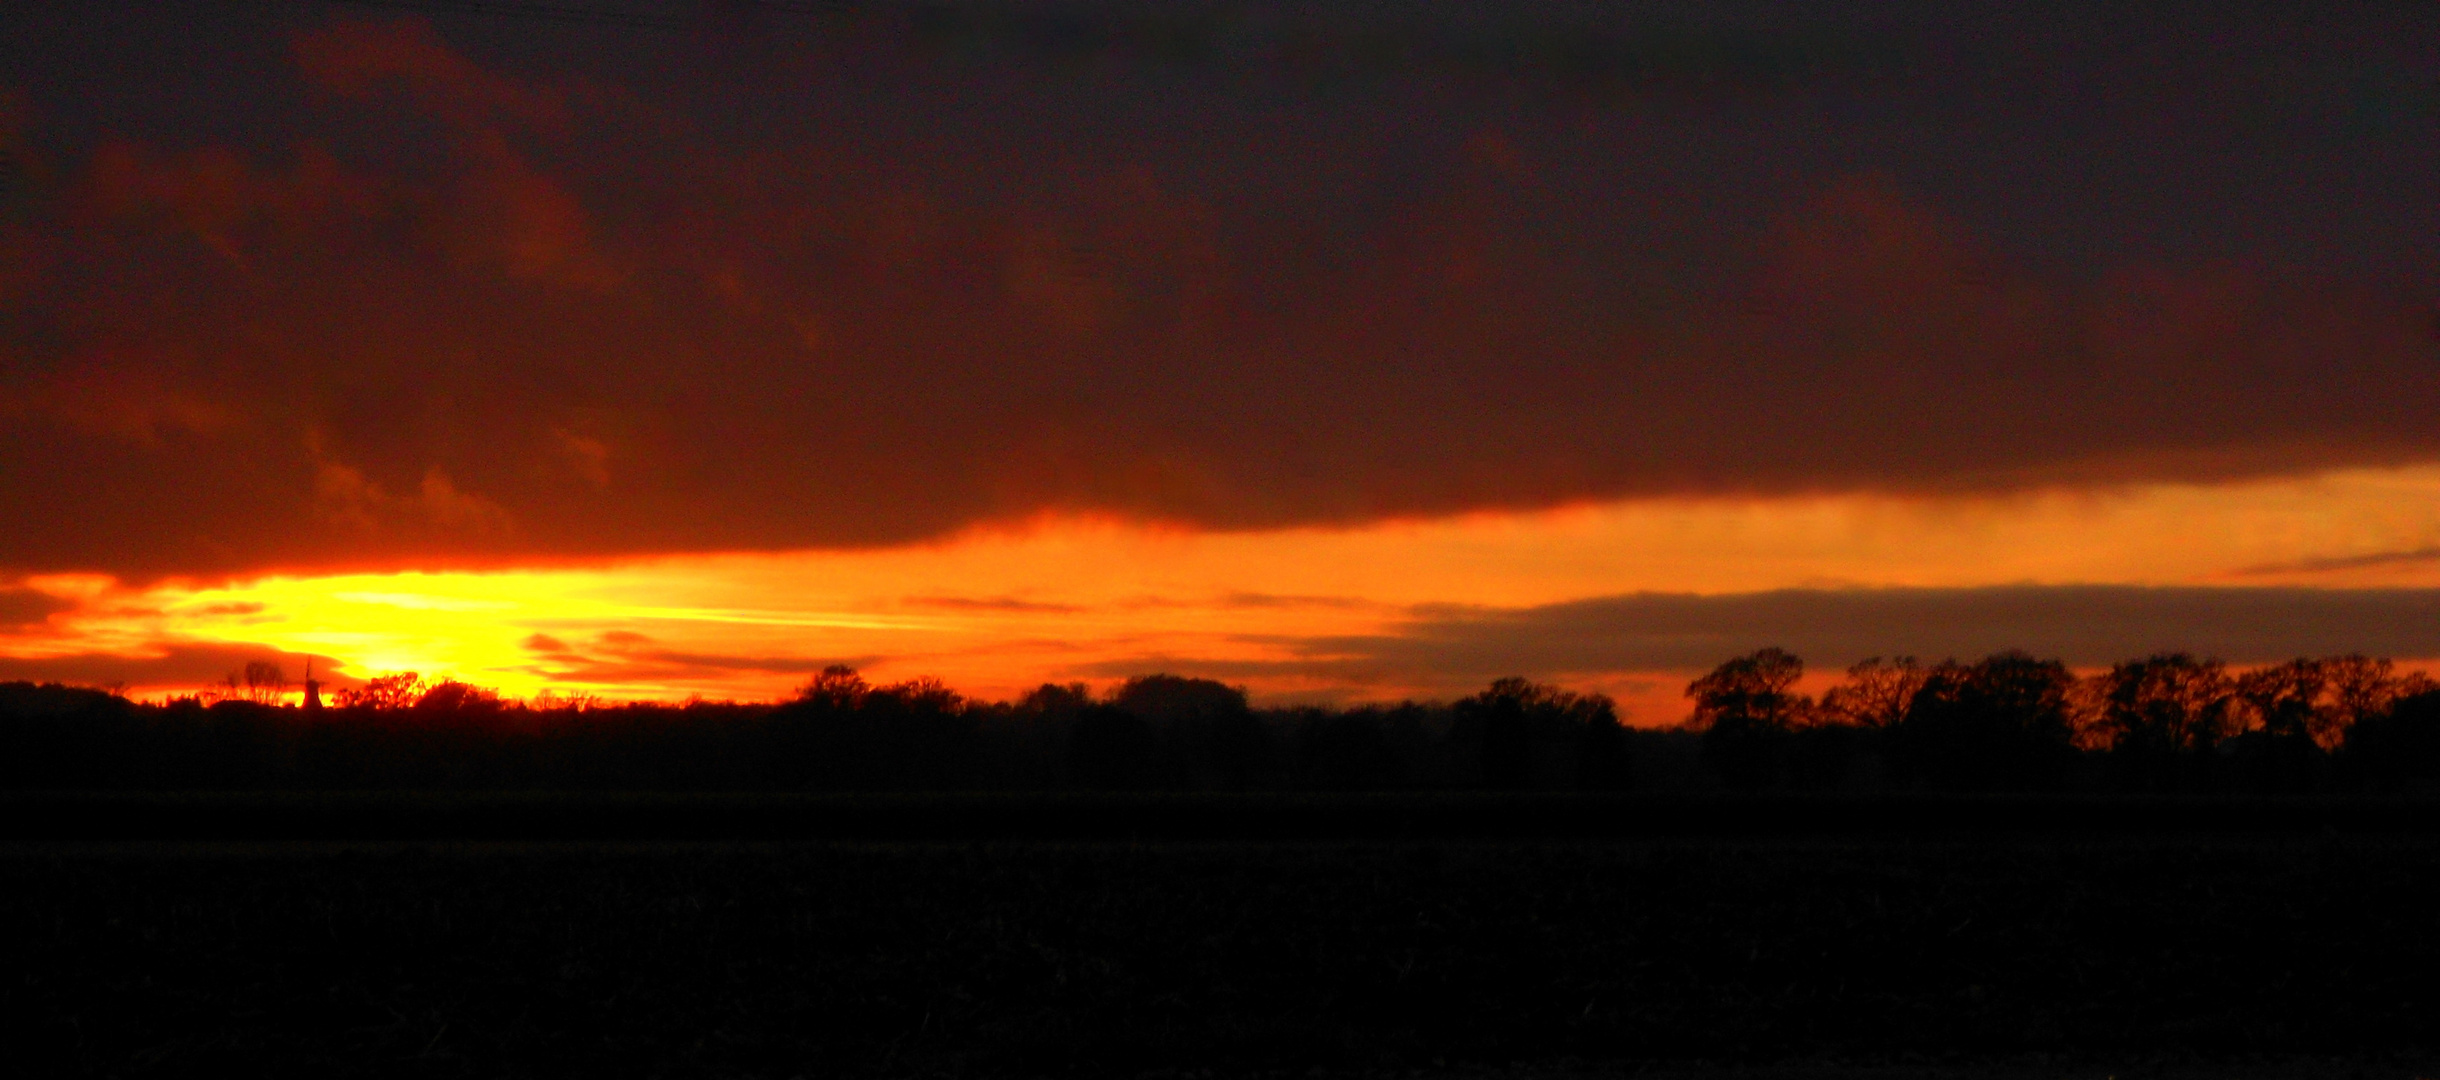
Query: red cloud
[[359, 59], [442, 310]]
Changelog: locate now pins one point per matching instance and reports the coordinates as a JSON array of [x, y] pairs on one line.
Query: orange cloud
[[347, 498], [1625, 598]]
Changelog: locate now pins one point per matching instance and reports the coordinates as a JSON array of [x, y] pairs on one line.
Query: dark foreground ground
[[1883, 954]]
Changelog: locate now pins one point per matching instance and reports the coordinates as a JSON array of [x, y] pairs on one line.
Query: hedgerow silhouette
[[2009, 722]]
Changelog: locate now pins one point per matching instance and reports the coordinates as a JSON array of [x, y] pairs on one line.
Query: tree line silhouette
[[2167, 723]]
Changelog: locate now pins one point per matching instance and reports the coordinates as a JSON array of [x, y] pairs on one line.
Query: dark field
[[2015, 955], [430, 816]]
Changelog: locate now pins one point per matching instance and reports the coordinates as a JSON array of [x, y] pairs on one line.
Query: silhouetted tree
[[1177, 699], [1343, 750], [2287, 722], [237, 743], [1499, 725], [1527, 734], [2362, 687], [1110, 749], [1841, 743], [264, 682], [1054, 700], [2163, 717], [2286, 700], [450, 699], [395, 691], [1876, 694], [1025, 744], [2008, 722], [837, 687], [842, 733], [2398, 747], [1213, 736], [54, 736], [1605, 758], [919, 735], [1746, 710], [1368, 748], [2001, 724]]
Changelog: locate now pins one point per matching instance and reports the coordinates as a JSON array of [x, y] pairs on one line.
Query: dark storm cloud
[[2081, 624], [324, 290], [183, 665]]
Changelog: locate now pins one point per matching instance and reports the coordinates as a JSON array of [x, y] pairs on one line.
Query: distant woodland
[[2168, 723]]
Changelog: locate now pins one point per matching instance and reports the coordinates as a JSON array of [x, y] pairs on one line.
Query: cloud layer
[[2084, 625], [22, 607], [179, 666], [390, 292]]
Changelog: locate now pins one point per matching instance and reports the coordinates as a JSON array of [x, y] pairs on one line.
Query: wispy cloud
[[2375, 560], [2082, 624], [992, 603], [1641, 644], [621, 657], [176, 666]]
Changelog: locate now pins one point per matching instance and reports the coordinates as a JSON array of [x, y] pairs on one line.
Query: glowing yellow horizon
[[997, 610]]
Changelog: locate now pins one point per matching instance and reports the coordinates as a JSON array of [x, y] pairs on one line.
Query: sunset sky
[[1344, 351]]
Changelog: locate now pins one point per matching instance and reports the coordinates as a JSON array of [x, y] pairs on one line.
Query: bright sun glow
[[996, 611]]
